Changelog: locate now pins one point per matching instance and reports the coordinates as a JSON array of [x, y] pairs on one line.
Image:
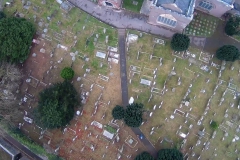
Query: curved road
[[121, 18]]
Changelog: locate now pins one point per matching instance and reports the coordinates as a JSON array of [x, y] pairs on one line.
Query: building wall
[[182, 21], [116, 3], [219, 8]]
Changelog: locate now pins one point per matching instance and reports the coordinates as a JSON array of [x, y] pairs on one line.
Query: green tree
[[169, 154], [214, 125], [228, 53], [2, 15], [180, 42], [144, 156], [56, 105], [133, 115], [118, 112], [15, 39], [67, 73], [232, 26]]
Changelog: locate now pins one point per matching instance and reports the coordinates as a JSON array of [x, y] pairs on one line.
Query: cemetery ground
[[67, 36], [183, 93]]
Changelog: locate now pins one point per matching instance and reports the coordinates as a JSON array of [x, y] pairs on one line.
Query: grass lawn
[[128, 4], [237, 37]]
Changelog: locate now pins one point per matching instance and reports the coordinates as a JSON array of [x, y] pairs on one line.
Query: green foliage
[[67, 73], [34, 147], [169, 154], [118, 112], [15, 39], [232, 26], [133, 115], [180, 42], [228, 53], [110, 129], [2, 15], [214, 125], [144, 156], [95, 64], [56, 105]]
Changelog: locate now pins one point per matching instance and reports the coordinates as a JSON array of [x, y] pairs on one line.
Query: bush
[[144, 156], [180, 42], [118, 112], [228, 53], [67, 73], [2, 15], [214, 125], [56, 105], [232, 26], [133, 115], [16, 36]]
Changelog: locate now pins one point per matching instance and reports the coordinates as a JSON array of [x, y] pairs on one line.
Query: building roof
[[11, 151], [184, 7], [230, 2]]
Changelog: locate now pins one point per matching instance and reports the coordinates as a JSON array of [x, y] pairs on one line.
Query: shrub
[[133, 115], [67, 73], [232, 26], [228, 53], [144, 156], [118, 112], [180, 42], [214, 125]]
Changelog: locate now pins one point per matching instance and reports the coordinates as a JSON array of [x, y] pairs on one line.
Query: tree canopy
[[180, 42], [228, 53], [2, 15], [67, 73], [169, 154], [56, 105], [144, 156], [15, 39], [118, 112], [214, 125], [133, 115], [232, 26]]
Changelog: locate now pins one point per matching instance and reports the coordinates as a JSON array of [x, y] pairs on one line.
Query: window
[[167, 21], [206, 5]]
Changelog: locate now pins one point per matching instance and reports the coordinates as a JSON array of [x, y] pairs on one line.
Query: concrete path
[[121, 19], [124, 86]]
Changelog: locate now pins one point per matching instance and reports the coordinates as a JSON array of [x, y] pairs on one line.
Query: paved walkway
[[121, 19], [124, 85]]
